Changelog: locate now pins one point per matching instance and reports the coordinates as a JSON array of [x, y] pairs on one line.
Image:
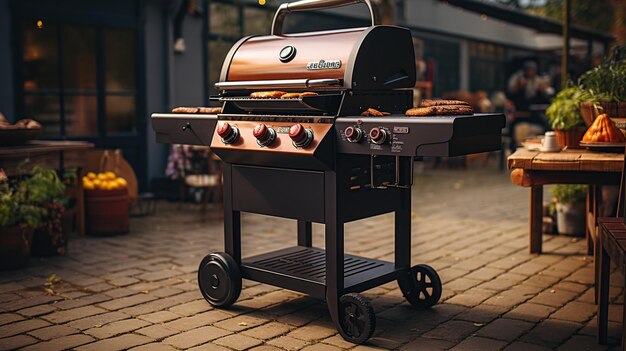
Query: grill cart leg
[[351, 313], [305, 234], [420, 285], [219, 276]]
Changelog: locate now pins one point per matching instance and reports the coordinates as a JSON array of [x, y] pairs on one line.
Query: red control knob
[[228, 133], [300, 136], [263, 134], [378, 135], [353, 134]]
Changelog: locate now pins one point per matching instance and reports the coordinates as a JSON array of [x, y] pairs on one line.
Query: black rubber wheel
[[422, 287], [356, 317], [219, 279]]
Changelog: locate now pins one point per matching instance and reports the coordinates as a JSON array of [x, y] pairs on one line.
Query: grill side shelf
[[178, 128]]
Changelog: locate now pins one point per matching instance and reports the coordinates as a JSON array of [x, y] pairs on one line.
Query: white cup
[[549, 143]]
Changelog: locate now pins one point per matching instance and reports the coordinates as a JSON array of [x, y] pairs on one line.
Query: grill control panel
[[267, 136]]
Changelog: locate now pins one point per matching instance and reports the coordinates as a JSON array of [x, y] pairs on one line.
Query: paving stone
[[116, 328], [37, 310], [427, 344], [15, 342], [576, 312], [53, 331], [21, 327], [61, 343], [268, 331], [478, 344], [238, 342], [199, 320], [73, 314], [191, 308], [195, 337], [122, 342], [159, 317], [551, 332], [554, 297], [157, 331], [209, 347], [288, 343], [6, 318], [321, 347], [240, 323], [530, 312], [128, 301], [452, 330], [153, 347], [524, 346], [471, 298], [97, 320], [582, 343], [505, 329], [313, 331], [482, 313]]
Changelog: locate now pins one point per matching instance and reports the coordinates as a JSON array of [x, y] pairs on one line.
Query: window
[[79, 81], [446, 58], [487, 67]]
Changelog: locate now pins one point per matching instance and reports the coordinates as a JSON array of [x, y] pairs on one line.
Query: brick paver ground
[[139, 291]]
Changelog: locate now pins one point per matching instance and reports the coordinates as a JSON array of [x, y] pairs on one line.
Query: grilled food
[[604, 129], [276, 94], [374, 112], [298, 95], [442, 110], [430, 103]]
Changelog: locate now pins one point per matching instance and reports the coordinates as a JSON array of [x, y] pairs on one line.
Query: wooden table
[[534, 169], [51, 154]]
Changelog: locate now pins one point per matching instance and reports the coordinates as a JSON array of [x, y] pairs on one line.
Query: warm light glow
[[39, 24], [261, 2], [483, 17]]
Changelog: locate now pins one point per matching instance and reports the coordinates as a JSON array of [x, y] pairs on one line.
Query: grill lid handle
[[311, 5]]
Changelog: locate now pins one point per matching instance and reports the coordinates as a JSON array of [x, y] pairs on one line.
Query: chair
[[610, 246], [202, 170]]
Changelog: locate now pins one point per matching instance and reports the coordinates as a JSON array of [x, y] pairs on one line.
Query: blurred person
[[526, 87]]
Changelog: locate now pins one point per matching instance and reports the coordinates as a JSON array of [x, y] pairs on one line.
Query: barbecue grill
[[316, 159]]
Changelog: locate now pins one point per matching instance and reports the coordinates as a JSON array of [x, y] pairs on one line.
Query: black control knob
[[228, 133], [300, 136], [264, 135], [353, 134], [378, 135]]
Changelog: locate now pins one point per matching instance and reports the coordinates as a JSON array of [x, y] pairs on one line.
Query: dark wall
[[6, 72]]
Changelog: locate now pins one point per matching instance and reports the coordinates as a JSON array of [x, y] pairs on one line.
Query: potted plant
[[565, 118], [48, 192], [18, 218], [570, 208], [604, 86]]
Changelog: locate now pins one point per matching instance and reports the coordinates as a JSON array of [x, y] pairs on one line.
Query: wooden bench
[[611, 246]]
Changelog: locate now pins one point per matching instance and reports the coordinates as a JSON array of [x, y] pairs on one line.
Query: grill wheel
[[356, 317], [421, 286], [219, 279]]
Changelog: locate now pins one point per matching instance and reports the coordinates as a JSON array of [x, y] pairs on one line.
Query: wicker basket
[[612, 109], [570, 138]]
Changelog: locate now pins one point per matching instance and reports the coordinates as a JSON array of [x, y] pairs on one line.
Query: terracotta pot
[[615, 110], [569, 138], [15, 243], [107, 212]]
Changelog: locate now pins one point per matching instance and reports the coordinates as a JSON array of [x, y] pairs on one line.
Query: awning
[[524, 19]]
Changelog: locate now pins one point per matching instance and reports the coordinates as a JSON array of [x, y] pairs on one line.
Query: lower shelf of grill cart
[[303, 269]]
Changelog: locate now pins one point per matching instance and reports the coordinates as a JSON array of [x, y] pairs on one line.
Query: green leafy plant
[[606, 81], [563, 112], [16, 209], [569, 193]]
